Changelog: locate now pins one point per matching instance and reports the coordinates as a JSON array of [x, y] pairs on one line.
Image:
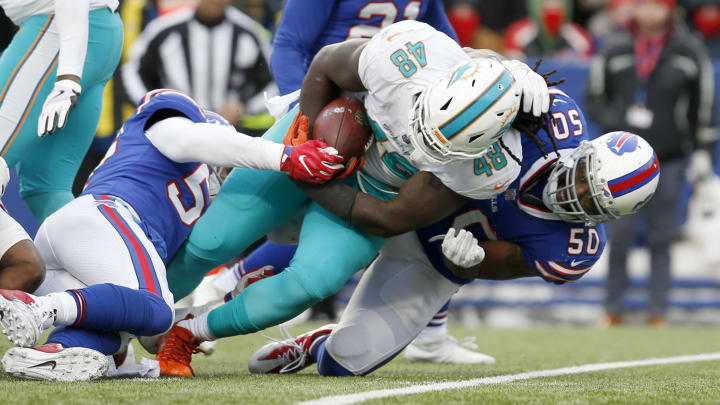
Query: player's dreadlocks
[[529, 124]]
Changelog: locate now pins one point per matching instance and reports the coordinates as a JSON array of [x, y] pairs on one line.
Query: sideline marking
[[502, 379]]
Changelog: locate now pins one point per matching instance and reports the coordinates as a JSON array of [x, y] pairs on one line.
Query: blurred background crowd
[[620, 59]]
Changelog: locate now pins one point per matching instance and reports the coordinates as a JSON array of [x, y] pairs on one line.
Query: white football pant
[[396, 298]]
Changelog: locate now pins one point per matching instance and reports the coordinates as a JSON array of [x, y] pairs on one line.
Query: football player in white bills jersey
[[437, 115], [106, 250], [549, 225], [21, 267], [51, 87]]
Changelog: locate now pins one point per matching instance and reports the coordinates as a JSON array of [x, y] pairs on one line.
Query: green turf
[[223, 377]]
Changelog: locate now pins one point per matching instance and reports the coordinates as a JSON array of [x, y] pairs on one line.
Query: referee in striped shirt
[[214, 53]]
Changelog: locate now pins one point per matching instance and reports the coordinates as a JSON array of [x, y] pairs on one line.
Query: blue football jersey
[[304, 30], [557, 251], [167, 196]]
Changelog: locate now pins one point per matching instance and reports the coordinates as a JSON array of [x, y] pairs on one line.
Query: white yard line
[[502, 379]]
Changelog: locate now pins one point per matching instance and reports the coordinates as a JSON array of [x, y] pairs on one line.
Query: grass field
[[223, 377]]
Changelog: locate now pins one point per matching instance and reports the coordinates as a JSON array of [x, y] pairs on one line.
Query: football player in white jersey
[[442, 125], [52, 77]]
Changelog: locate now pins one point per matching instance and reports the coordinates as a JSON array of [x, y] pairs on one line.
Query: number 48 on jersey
[[407, 59]]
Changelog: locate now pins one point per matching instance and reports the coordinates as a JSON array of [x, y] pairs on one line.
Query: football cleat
[[245, 278], [54, 363], [175, 350], [610, 320], [289, 355], [445, 349], [22, 319]]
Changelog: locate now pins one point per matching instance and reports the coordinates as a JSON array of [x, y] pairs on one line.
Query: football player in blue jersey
[[304, 30], [548, 223], [106, 250]]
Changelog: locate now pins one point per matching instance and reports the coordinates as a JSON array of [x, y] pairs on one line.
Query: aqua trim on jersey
[[638, 178], [375, 188], [377, 130], [476, 108], [393, 161]]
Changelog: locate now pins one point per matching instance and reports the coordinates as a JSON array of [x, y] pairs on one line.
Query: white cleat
[[54, 363], [22, 319], [445, 349], [289, 355]]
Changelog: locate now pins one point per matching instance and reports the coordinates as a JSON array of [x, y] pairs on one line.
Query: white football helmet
[[460, 116], [622, 173]]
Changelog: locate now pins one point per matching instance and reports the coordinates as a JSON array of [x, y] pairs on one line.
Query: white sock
[[65, 307], [198, 326], [434, 331]]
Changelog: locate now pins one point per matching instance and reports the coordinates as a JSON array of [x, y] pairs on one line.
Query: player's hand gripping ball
[[299, 131], [343, 125]]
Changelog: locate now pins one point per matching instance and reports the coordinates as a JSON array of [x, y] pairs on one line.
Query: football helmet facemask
[[600, 180]]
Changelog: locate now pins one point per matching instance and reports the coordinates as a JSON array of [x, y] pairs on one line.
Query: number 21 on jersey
[[407, 59]]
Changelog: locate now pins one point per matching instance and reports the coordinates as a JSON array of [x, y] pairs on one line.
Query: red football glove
[[299, 131], [313, 161]]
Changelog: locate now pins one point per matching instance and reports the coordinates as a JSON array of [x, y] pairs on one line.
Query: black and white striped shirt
[[213, 63]]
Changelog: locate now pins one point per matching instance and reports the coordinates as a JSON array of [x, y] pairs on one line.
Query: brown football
[[343, 125]]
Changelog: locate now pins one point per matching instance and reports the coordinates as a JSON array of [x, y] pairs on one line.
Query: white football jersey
[[396, 65], [20, 10]]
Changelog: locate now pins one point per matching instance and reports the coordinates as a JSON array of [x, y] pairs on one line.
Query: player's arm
[[22, 267], [438, 19], [297, 32], [335, 68], [503, 261], [72, 20], [421, 201], [182, 140]]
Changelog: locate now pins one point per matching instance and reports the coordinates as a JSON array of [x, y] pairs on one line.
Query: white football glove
[[535, 93], [462, 250], [4, 176], [58, 104]]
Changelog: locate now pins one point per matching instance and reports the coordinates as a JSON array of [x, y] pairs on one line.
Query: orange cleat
[[657, 322], [610, 320], [175, 350]]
